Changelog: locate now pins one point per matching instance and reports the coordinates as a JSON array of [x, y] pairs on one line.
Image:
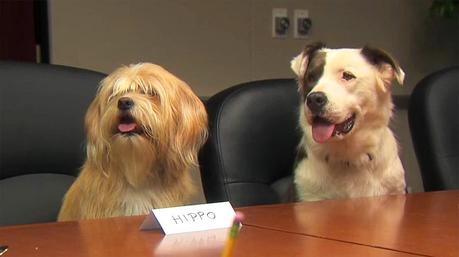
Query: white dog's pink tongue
[[125, 128], [321, 132]]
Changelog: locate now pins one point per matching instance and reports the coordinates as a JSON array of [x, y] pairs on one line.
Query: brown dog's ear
[[94, 113], [299, 64], [190, 119], [92, 119], [95, 145], [387, 66]]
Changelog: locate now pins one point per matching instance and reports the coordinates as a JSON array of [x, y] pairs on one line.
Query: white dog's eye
[[348, 76]]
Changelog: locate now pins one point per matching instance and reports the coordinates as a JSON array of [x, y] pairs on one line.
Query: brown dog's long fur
[[131, 173]]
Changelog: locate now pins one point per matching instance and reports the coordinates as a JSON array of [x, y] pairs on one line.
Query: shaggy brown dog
[[144, 129]]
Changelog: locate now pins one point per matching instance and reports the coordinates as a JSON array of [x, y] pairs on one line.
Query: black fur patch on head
[[312, 48], [315, 68], [377, 57]]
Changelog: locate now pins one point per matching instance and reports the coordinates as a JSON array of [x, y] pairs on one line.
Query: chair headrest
[[42, 108], [253, 139], [434, 128]]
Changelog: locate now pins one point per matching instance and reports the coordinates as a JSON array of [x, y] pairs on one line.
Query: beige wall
[[214, 44]]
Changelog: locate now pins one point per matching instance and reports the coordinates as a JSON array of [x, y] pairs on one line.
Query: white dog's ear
[[388, 67], [300, 63], [400, 75], [389, 73]]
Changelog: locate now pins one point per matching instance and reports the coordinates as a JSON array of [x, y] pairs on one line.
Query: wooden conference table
[[423, 224]]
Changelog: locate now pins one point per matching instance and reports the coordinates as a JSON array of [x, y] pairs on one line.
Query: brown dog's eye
[[348, 76], [151, 93]]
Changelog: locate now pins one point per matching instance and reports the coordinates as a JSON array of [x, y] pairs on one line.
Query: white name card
[[190, 218]]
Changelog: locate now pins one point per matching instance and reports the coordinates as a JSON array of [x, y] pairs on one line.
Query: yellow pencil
[[234, 232]]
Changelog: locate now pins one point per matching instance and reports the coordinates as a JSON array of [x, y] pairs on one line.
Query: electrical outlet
[[280, 23], [301, 23]]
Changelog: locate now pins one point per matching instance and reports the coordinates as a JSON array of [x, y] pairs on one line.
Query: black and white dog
[[347, 149]]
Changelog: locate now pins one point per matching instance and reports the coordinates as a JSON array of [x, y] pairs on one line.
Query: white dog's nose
[[316, 101], [125, 103]]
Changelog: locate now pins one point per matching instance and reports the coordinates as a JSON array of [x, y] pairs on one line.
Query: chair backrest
[[434, 124], [248, 158], [42, 109]]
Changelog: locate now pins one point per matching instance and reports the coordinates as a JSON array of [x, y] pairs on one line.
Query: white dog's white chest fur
[[347, 149], [329, 175]]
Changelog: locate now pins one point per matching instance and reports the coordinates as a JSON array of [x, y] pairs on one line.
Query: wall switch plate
[[301, 23], [280, 23]]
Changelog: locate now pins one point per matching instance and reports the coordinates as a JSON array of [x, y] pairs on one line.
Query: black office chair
[[41, 137], [434, 124], [248, 159]]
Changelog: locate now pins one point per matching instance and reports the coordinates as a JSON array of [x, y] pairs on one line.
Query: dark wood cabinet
[[24, 30]]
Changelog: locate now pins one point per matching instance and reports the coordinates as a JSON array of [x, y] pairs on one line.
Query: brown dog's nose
[[125, 103], [316, 102]]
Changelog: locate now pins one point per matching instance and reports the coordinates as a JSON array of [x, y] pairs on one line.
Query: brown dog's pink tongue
[[127, 127], [321, 132]]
